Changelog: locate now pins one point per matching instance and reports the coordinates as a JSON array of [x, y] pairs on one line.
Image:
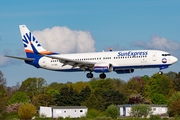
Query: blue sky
[[119, 24]]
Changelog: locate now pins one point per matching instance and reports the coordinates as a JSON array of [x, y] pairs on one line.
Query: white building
[[63, 111], [45, 111], [125, 110]]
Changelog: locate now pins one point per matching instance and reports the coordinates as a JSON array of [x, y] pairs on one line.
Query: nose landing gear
[[160, 72]]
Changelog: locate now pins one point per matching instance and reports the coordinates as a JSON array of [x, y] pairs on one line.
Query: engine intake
[[124, 71], [102, 68]]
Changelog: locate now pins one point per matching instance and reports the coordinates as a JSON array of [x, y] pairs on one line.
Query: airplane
[[99, 62]]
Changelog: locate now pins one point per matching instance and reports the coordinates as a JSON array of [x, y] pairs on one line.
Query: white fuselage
[[132, 59]]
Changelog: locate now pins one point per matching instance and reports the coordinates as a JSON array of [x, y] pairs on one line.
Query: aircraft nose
[[175, 59]]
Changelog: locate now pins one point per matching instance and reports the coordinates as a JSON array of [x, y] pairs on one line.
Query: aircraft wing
[[20, 58], [84, 65]]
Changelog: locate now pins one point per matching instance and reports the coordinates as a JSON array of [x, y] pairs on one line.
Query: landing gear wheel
[[102, 76], [89, 75], [160, 72]]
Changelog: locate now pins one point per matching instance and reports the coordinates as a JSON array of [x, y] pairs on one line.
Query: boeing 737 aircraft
[[99, 62]]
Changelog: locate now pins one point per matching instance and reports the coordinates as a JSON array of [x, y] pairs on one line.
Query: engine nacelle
[[103, 68], [124, 71]]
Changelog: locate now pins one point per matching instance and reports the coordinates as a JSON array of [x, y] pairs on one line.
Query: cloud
[[57, 39], [65, 40], [159, 43], [3, 60]]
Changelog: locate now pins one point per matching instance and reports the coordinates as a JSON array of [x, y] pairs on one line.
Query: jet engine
[[103, 68]]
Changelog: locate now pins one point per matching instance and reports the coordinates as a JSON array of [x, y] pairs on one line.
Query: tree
[[43, 100], [84, 94], [174, 102], [95, 102], [2, 79], [175, 97], [78, 86], [11, 90], [108, 91], [53, 92], [136, 99], [33, 86], [68, 96], [3, 92], [112, 111], [18, 97], [176, 82], [3, 102], [159, 99], [140, 110], [121, 85], [56, 86], [172, 75], [136, 85], [160, 84], [112, 97], [174, 108]]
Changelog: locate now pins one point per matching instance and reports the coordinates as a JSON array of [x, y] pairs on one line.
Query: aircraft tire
[[89, 75], [160, 72], [102, 76]]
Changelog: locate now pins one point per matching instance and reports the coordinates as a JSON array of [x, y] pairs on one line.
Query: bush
[[155, 117], [8, 116], [92, 113], [26, 111], [177, 117], [141, 110], [112, 111]]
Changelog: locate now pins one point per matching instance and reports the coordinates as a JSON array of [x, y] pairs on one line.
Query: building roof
[[152, 105], [69, 107]]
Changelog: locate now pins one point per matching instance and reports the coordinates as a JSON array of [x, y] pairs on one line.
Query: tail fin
[[31, 44]]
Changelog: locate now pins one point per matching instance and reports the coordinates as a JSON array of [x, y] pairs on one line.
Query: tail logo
[[31, 45], [29, 38]]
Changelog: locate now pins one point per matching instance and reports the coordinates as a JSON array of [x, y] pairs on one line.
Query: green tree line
[[96, 94]]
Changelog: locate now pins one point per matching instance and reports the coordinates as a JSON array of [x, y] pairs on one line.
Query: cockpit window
[[166, 54]]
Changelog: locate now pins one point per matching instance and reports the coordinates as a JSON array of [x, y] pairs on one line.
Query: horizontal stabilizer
[[20, 58]]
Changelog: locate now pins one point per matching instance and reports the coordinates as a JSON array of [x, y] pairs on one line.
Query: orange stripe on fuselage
[[43, 53], [29, 51], [46, 52]]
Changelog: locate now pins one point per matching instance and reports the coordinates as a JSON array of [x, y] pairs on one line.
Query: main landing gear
[[102, 76], [90, 75], [160, 72]]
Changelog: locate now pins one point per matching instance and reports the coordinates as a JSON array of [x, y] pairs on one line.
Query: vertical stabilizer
[[31, 44]]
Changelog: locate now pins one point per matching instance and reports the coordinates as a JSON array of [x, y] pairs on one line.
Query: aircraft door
[[44, 62], [154, 57]]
